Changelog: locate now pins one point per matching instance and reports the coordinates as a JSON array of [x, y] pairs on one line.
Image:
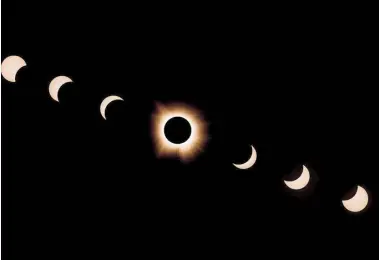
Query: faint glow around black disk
[[197, 132], [177, 130]]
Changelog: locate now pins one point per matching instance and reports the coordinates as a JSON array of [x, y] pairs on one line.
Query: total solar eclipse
[[177, 130]]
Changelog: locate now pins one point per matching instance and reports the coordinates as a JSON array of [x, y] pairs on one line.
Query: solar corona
[[190, 148]]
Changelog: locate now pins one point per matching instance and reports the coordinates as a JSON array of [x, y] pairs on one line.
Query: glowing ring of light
[[163, 125], [187, 150]]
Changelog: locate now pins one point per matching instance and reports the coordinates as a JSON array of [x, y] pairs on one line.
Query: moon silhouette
[[358, 202], [300, 182], [56, 84], [10, 66], [249, 162], [106, 102]]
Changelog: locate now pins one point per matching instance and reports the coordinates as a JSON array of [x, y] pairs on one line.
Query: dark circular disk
[[177, 130]]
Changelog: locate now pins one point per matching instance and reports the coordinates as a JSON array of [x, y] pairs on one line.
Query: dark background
[[301, 90]]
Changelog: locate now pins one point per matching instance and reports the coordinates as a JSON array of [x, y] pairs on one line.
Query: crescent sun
[[249, 162], [10, 66], [358, 202], [105, 103], [56, 84], [300, 182]]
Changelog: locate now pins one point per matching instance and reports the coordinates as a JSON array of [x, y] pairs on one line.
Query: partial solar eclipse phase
[[185, 148], [56, 84], [300, 182], [249, 163], [106, 102], [358, 202], [10, 66]]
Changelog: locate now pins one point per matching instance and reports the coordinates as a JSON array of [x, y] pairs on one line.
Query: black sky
[[302, 93]]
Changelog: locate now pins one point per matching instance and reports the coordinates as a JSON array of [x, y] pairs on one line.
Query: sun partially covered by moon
[[301, 182], [186, 150], [56, 84], [10, 66], [249, 162], [358, 202]]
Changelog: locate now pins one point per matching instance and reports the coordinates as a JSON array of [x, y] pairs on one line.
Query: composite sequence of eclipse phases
[[168, 118]]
